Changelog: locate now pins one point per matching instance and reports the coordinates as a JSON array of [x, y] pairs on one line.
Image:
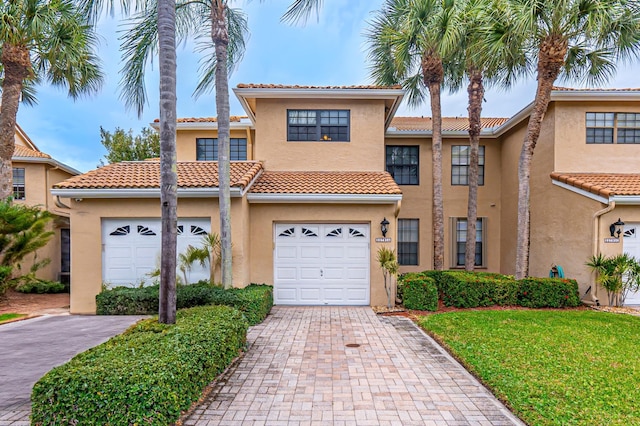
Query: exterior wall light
[[616, 228], [384, 227]]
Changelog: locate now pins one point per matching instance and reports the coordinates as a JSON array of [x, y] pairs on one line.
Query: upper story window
[[207, 149], [403, 163], [318, 125], [18, 183], [607, 127], [460, 158]]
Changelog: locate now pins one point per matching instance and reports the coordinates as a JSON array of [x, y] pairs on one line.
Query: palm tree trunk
[[476, 95], [550, 60], [168, 161], [433, 73], [220, 37], [17, 66]]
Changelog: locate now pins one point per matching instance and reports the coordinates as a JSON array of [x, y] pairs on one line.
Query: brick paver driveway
[[301, 368]]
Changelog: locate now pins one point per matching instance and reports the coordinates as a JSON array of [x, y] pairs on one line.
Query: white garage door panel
[[131, 249], [321, 264], [631, 244]]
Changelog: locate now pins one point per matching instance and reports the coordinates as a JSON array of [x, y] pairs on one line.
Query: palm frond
[[301, 10]]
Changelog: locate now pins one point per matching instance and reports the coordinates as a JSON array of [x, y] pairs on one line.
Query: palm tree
[[41, 41], [580, 40], [406, 40]]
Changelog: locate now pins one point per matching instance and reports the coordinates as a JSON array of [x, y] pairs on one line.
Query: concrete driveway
[[30, 348], [346, 366]]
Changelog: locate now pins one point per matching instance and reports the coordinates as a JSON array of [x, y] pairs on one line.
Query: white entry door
[[131, 249], [631, 246], [321, 264]]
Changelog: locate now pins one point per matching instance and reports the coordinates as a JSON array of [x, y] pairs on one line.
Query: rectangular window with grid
[[600, 126], [460, 157], [408, 241], [460, 241], [403, 163], [18, 184], [321, 125], [628, 128], [207, 149]]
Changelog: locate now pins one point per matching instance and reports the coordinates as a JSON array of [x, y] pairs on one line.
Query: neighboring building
[[34, 173], [313, 178]]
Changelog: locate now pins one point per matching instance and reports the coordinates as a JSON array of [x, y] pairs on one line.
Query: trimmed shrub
[[5, 276], [419, 292], [254, 301], [42, 287], [147, 375], [548, 293]]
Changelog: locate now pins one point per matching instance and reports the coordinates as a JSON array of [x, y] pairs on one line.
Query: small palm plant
[[208, 254], [618, 274], [388, 262]]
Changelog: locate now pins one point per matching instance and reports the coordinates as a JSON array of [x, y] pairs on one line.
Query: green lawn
[[551, 367], [7, 317]]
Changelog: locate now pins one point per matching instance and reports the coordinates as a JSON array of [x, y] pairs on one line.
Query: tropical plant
[[407, 39], [124, 146], [580, 40], [209, 254], [618, 275], [40, 41], [389, 264]]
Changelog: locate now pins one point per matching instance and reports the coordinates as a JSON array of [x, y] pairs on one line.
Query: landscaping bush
[[548, 293], [147, 375], [5, 276], [419, 292], [467, 290], [41, 286], [254, 301]]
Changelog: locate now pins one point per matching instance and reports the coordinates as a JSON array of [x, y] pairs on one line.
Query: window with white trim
[[18, 184], [610, 127], [459, 238], [207, 149], [318, 125], [408, 235], [460, 159]]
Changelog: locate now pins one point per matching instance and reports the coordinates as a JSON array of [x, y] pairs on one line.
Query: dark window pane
[[408, 241], [461, 238], [207, 149], [18, 183], [402, 163], [460, 158], [318, 125]]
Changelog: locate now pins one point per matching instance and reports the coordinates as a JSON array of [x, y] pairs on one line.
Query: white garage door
[[631, 244], [131, 249], [321, 264]]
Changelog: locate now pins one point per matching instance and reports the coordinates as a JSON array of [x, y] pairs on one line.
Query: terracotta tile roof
[[233, 119], [325, 183], [448, 123], [22, 151], [573, 89], [295, 86], [146, 174], [602, 184]]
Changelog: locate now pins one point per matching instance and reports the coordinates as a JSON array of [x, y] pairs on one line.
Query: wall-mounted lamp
[[384, 227], [616, 228]]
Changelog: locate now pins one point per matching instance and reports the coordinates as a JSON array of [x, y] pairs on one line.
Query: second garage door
[[631, 245], [321, 264]]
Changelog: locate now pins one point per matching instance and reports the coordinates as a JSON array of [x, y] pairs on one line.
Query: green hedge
[[548, 293], [255, 301], [145, 376], [419, 292], [464, 289], [41, 287]]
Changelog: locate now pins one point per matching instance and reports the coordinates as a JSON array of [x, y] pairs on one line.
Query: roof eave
[[582, 192], [49, 161], [81, 193], [625, 199], [485, 133], [207, 125], [324, 198]]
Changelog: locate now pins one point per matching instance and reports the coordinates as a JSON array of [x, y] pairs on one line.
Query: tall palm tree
[[579, 40], [406, 40], [41, 41], [221, 31]]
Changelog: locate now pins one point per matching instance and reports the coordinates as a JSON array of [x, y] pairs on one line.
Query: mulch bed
[[21, 303]]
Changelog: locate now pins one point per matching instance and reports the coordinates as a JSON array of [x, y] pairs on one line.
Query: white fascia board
[[49, 161], [139, 193], [582, 192], [458, 134], [626, 199], [325, 198], [208, 125], [595, 95]]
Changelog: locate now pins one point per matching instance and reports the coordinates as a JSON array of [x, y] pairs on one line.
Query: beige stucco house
[[316, 170], [34, 173]]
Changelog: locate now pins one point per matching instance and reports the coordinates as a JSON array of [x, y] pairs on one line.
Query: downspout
[[596, 246], [61, 204]]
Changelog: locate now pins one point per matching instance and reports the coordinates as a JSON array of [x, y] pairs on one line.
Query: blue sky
[[328, 51]]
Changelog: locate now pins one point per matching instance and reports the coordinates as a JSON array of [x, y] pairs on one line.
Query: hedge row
[[463, 289], [147, 375], [419, 292], [255, 301]]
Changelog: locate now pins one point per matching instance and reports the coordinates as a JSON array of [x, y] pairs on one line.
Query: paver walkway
[[30, 348], [301, 369]]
